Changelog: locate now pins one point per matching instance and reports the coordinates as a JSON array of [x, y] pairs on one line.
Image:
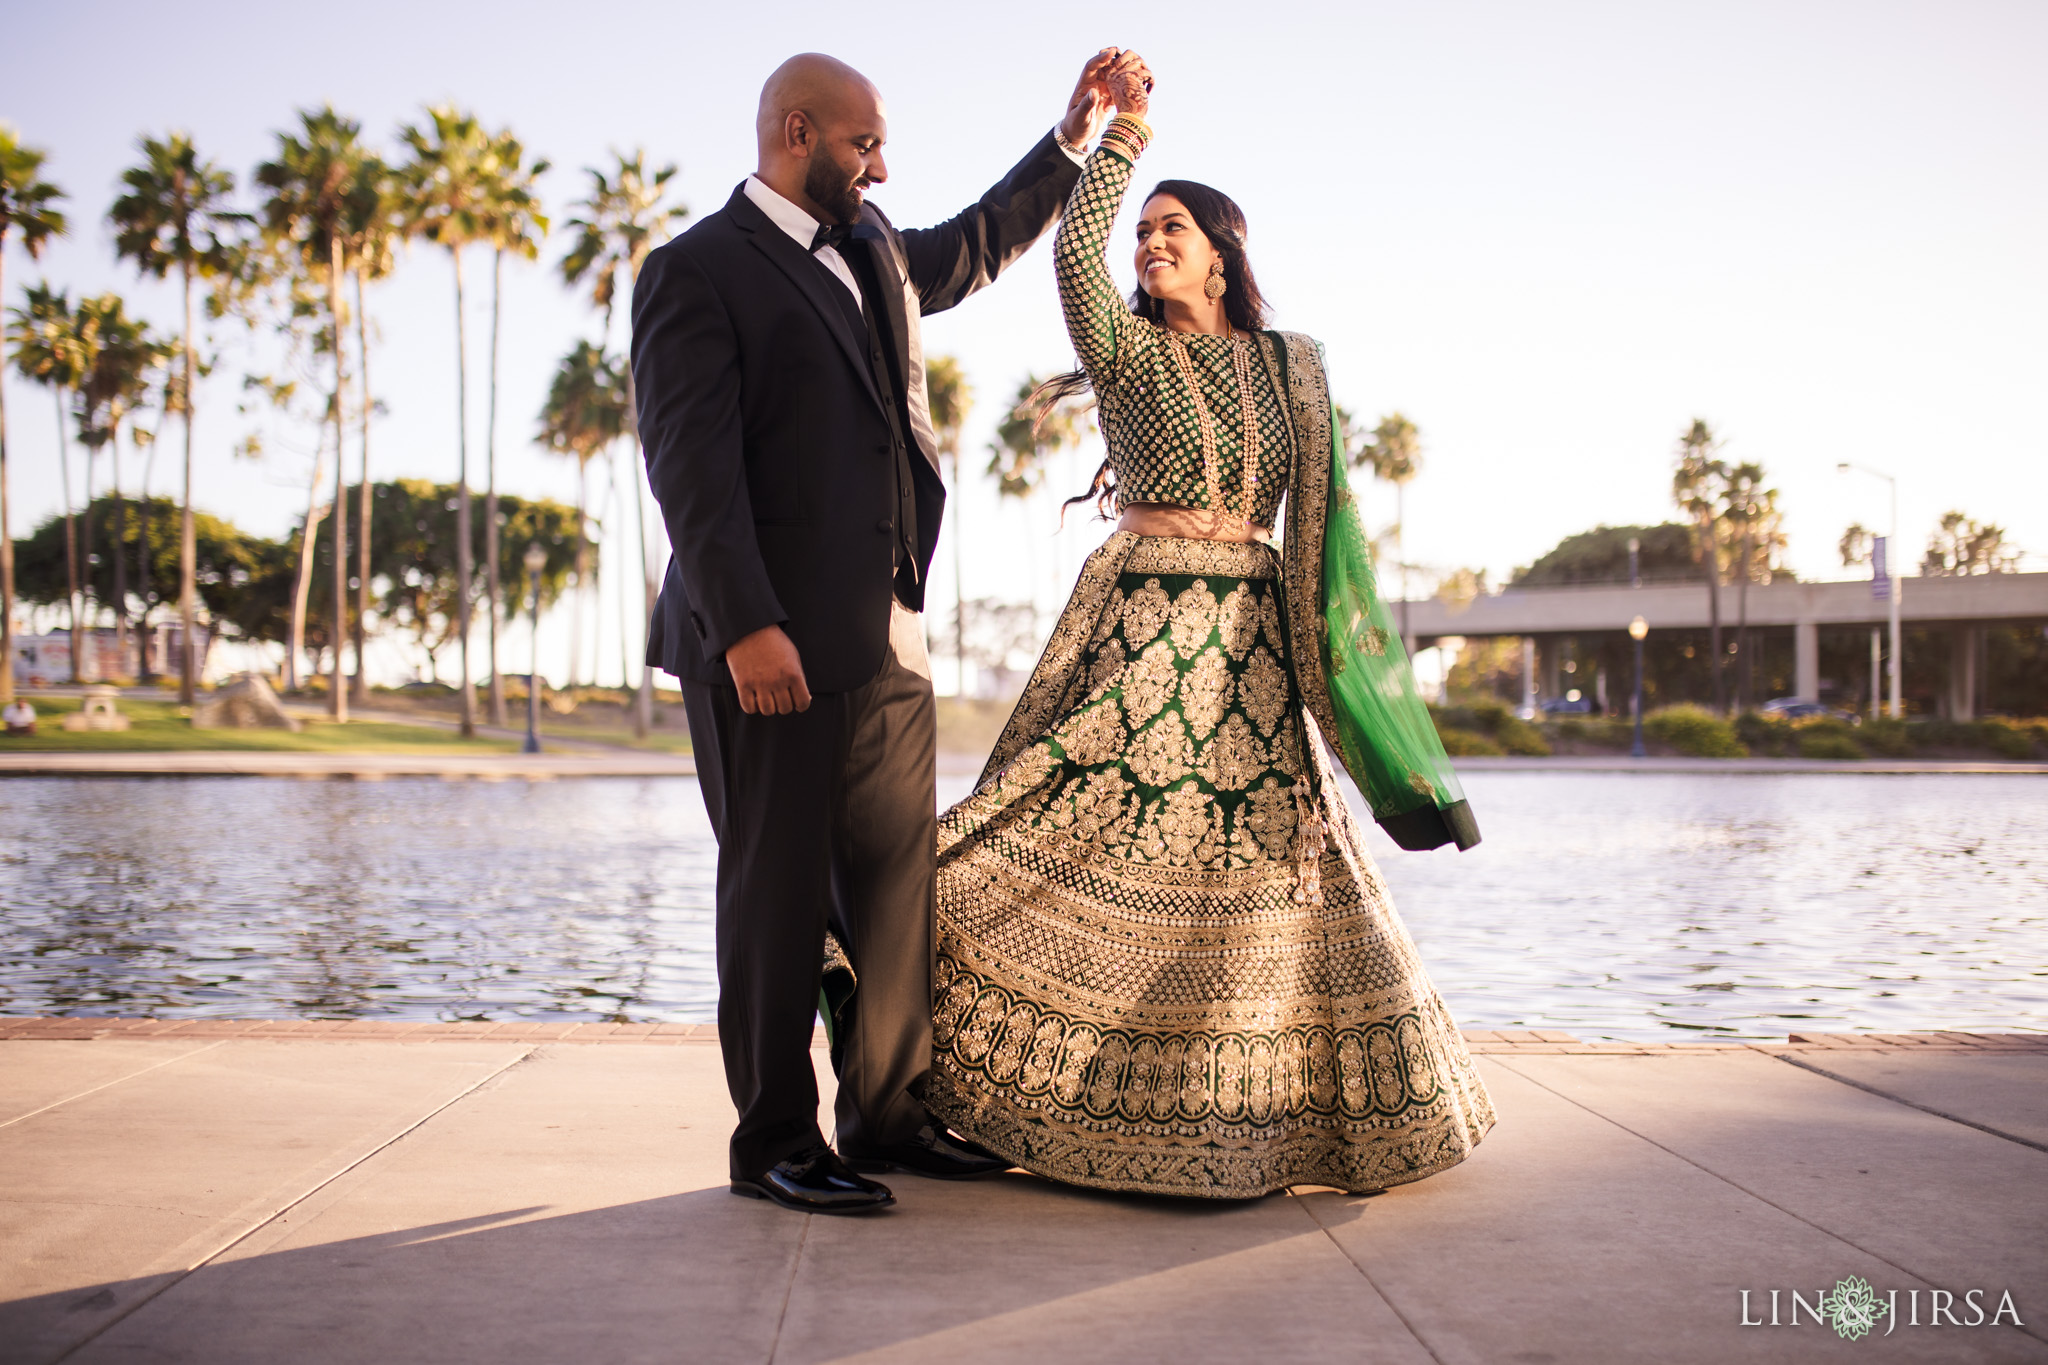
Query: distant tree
[[625, 216], [175, 215], [1601, 556], [49, 349], [584, 416], [1033, 431], [323, 184], [377, 225], [1394, 455], [1752, 511], [952, 398], [450, 188], [28, 211], [1963, 546], [122, 354], [1699, 488], [513, 223], [1855, 545]]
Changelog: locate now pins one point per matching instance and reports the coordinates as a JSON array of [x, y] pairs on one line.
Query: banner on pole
[[1880, 577]]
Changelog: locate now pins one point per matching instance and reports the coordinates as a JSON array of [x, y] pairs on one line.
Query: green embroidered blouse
[[1148, 418]]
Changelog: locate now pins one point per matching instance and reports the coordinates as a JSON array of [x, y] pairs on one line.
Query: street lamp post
[[536, 560], [1895, 582], [1637, 629]]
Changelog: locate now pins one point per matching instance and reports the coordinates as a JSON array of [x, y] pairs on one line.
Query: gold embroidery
[[1145, 611], [1109, 661], [1194, 619], [1263, 690], [1234, 757], [1094, 736], [1162, 754], [1149, 684], [1205, 691], [1237, 621]]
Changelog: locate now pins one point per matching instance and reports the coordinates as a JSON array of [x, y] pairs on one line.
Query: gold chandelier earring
[[1215, 285]]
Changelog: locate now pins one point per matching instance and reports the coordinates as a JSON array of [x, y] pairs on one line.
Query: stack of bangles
[[1127, 136]]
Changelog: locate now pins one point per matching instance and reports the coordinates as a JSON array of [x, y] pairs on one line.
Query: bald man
[[781, 400]]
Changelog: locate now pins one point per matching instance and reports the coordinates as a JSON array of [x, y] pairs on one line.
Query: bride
[[1165, 961]]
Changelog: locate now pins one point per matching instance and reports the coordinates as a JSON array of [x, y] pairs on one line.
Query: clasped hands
[[1115, 78]]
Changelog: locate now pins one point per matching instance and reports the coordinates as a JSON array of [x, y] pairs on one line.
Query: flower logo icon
[[1853, 1308]]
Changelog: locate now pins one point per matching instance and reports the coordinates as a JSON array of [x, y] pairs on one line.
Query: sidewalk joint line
[[1363, 1274], [789, 1290], [1911, 1104], [116, 1081], [286, 1207], [1734, 1185]]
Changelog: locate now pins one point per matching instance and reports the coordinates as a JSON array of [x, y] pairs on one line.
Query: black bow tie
[[833, 235]]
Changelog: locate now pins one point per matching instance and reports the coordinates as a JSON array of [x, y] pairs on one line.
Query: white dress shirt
[[803, 228]]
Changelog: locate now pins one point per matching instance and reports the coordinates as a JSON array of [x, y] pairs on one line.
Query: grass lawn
[[157, 726]]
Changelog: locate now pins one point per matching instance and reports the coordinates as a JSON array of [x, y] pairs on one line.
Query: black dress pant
[[824, 816]]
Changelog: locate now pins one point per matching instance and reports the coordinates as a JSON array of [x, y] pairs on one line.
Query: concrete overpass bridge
[[1961, 606]]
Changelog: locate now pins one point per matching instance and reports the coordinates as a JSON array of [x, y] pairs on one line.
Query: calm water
[[1610, 905]]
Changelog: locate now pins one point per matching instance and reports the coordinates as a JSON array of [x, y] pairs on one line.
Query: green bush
[[1766, 736], [2008, 739], [1693, 730], [1829, 739], [1494, 721], [1462, 743], [1887, 738]]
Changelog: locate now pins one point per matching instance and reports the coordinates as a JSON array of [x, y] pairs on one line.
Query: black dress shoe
[[815, 1180], [933, 1152]]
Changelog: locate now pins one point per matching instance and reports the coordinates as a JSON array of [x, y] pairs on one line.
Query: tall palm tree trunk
[[120, 556], [616, 502], [188, 537], [643, 696], [959, 581], [70, 533], [464, 569], [1745, 675], [90, 593], [6, 552], [582, 574], [337, 694], [1711, 563], [145, 671], [302, 586], [491, 588], [362, 682]]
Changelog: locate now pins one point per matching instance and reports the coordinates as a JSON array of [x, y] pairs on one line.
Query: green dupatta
[[1355, 680]]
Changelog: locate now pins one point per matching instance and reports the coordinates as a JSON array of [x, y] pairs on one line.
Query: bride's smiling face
[[1173, 254]]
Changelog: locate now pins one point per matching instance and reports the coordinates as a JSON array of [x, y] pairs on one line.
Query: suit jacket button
[[883, 526]]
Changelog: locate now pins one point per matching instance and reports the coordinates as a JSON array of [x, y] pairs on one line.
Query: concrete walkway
[[266, 1192]]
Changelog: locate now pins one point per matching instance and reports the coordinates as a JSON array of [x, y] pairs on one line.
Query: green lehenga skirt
[[1165, 963]]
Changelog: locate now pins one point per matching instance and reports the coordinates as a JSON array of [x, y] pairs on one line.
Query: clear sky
[[1550, 234]]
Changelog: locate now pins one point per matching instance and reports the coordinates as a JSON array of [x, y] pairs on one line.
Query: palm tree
[[121, 356], [622, 220], [449, 187], [584, 415], [27, 206], [175, 214], [321, 183], [952, 397], [374, 231], [1394, 454], [513, 223], [1699, 486], [50, 349]]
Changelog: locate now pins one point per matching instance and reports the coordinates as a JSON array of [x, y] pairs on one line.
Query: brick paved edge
[[30, 1028]]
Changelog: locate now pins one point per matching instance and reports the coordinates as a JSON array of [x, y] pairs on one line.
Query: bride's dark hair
[[1222, 222]]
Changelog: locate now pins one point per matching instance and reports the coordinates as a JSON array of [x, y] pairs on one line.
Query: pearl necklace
[[1212, 474]]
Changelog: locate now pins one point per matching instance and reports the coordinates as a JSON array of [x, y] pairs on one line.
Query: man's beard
[[832, 189]]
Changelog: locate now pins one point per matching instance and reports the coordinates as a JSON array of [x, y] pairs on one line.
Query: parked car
[[1803, 708], [1567, 706]]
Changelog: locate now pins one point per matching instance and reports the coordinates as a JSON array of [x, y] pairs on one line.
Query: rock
[[246, 703]]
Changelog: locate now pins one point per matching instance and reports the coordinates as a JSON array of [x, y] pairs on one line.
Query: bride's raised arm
[[1098, 320]]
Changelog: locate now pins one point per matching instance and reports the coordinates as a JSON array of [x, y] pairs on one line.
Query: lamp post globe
[[1637, 630]]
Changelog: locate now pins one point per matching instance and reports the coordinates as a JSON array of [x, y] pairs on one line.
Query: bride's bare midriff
[[1189, 523]]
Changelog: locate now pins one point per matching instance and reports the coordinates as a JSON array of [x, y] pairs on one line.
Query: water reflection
[[1659, 906]]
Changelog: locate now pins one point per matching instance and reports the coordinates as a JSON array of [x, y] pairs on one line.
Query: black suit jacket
[[768, 443]]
